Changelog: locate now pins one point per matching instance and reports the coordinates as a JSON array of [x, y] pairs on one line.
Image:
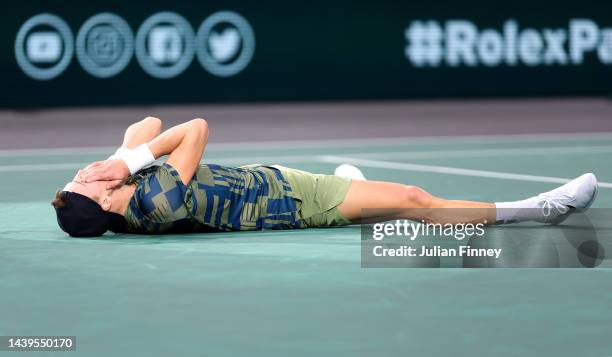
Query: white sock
[[518, 211]]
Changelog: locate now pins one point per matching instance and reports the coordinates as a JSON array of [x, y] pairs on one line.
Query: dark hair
[[59, 201]]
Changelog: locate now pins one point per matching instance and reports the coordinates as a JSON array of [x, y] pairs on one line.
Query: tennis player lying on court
[[121, 195]]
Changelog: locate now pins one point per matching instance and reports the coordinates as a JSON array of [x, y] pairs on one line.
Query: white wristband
[[138, 158], [119, 153]]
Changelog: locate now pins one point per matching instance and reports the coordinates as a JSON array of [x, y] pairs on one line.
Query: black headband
[[83, 217]]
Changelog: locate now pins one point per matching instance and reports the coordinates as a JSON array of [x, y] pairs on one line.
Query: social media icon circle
[[164, 45], [44, 46], [225, 43], [105, 45]]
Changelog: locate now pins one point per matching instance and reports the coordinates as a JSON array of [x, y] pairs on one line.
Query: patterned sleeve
[[158, 201]]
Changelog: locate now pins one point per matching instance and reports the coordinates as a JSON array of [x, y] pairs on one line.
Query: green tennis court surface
[[294, 293]]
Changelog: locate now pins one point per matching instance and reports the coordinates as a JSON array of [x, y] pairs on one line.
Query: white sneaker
[[350, 171], [575, 196]]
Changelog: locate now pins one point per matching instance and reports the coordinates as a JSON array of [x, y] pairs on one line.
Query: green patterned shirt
[[217, 198]]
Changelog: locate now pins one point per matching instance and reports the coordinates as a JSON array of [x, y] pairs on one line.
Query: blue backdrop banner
[[103, 52]]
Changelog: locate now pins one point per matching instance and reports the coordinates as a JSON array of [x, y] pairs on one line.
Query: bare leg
[[392, 200]]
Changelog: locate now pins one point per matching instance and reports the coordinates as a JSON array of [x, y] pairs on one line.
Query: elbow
[[153, 125], [153, 121], [201, 126]]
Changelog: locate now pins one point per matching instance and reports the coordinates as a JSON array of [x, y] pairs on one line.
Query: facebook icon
[[165, 45]]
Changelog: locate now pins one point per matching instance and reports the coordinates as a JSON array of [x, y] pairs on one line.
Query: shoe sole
[[588, 205]]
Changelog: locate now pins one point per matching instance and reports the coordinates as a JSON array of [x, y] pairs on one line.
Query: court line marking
[[221, 161], [467, 153], [522, 151], [407, 140], [446, 170], [391, 141], [488, 152], [337, 160], [42, 167]]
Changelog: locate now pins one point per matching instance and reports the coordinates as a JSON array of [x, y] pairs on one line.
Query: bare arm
[[141, 132], [184, 143], [138, 133]]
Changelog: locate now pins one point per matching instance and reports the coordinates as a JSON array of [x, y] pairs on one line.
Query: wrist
[[138, 158], [120, 153]]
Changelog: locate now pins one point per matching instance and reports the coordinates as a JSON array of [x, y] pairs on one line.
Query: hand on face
[[113, 172], [95, 182]]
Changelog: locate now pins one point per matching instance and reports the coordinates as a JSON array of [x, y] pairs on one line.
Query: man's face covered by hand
[[96, 190]]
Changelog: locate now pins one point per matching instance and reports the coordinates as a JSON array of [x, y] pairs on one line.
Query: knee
[[416, 197]]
